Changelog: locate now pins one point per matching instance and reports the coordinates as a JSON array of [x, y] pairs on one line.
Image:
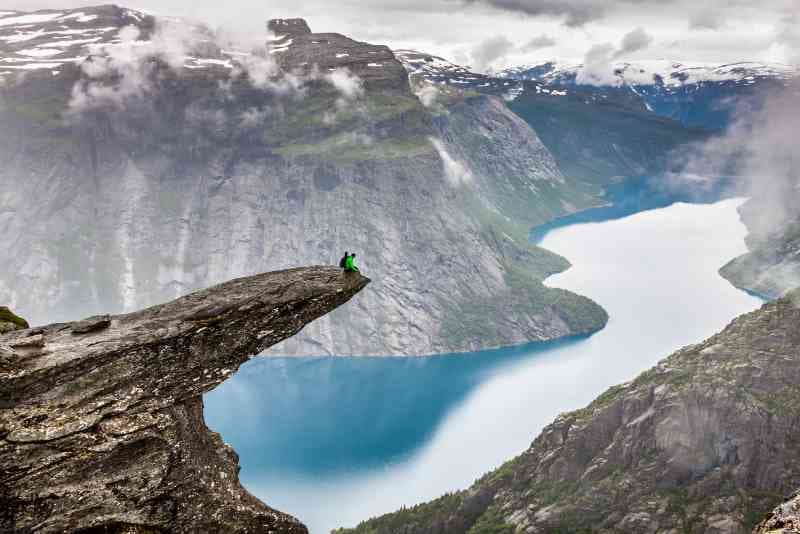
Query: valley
[[355, 437], [536, 238]]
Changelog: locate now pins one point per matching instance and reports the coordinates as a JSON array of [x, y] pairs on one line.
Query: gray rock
[[706, 441], [105, 430], [36, 340], [292, 27], [784, 519], [91, 324]]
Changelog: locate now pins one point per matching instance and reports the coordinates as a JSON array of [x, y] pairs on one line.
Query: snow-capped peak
[[652, 72]]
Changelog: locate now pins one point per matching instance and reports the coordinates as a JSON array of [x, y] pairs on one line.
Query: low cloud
[[760, 149], [707, 19], [575, 12], [126, 62], [598, 64], [634, 41], [789, 37], [428, 94], [348, 84], [758, 157], [455, 172], [488, 52], [537, 43], [118, 72]]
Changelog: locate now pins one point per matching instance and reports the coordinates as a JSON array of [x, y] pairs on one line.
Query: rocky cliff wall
[[101, 421], [707, 441]]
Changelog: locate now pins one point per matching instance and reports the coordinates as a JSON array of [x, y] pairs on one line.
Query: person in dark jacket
[[343, 261]]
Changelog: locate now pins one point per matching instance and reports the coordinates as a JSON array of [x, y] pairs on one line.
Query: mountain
[[437, 71], [601, 141], [598, 136], [706, 441], [146, 157], [102, 419], [696, 95]]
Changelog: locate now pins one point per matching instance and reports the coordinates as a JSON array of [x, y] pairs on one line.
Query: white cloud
[[760, 147], [348, 84], [598, 64], [428, 94], [487, 52], [454, 171], [749, 31], [543, 41], [634, 41]]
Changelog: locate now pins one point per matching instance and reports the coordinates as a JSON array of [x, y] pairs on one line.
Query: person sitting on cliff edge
[[343, 261], [349, 264]]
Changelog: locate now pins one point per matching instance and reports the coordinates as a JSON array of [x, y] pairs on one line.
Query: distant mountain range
[[696, 95]]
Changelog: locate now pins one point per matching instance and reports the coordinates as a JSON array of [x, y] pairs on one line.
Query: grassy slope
[[7, 316]]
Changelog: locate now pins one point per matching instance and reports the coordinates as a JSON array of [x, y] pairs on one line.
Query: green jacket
[[349, 265]]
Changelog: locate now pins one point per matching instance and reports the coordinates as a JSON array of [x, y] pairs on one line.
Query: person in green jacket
[[349, 264]]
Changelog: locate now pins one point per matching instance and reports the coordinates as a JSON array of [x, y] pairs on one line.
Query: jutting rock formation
[[101, 420]]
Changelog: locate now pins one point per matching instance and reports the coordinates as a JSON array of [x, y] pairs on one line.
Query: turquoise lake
[[334, 440]]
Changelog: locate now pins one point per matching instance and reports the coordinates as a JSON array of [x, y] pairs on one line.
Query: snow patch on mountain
[[435, 70], [29, 19], [652, 72]]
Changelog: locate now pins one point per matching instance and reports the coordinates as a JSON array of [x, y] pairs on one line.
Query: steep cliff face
[[101, 421], [139, 177], [705, 442]]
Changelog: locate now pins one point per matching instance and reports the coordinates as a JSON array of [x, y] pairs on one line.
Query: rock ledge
[[101, 421]]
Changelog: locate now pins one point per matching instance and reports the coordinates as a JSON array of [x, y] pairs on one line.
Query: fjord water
[[337, 440]]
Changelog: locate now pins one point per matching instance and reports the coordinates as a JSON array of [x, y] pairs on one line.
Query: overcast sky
[[498, 33]]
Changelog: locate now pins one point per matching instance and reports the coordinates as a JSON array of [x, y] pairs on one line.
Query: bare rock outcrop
[[784, 519], [705, 442], [101, 421]]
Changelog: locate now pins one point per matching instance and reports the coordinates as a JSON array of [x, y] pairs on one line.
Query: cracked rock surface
[[101, 421]]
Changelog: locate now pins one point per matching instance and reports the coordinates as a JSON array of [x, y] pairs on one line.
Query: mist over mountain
[[158, 157]]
